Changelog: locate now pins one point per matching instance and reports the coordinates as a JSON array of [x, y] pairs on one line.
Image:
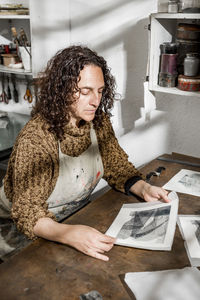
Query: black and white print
[[185, 181], [146, 225]]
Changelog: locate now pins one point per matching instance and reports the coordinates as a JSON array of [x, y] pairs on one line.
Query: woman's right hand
[[84, 238], [88, 240]]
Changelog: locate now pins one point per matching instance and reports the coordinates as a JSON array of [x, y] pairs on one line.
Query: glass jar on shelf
[[191, 64], [172, 6]]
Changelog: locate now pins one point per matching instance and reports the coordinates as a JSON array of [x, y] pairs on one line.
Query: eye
[[100, 91], [84, 91]]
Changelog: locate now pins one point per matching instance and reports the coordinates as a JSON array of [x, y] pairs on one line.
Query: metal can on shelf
[[168, 64], [189, 84], [167, 80]]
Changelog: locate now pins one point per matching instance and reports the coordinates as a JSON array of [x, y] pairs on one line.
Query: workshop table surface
[[49, 270]]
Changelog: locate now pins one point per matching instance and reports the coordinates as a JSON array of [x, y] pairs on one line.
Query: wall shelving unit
[[163, 29]]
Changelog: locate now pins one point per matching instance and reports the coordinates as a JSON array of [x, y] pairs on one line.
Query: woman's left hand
[[149, 192], [154, 193]]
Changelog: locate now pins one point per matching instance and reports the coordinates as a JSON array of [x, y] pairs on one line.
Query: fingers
[[103, 242], [164, 196], [97, 255], [107, 239], [98, 250], [155, 193]]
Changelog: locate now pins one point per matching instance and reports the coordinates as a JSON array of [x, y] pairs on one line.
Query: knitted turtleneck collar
[[76, 139]]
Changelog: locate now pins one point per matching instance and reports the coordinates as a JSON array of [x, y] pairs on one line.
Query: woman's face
[[90, 86]]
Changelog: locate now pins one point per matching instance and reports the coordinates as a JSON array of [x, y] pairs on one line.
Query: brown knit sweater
[[34, 166]]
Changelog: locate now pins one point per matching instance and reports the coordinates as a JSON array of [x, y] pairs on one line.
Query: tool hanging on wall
[[15, 92], [14, 34], [28, 95], [8, 89], [3, 96]]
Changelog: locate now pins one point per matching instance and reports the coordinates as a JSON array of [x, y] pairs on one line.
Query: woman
[[65, 149]]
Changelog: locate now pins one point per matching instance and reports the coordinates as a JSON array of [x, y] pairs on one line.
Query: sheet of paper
[[178, 284], [189, 226], [185, 181], [146, 225]]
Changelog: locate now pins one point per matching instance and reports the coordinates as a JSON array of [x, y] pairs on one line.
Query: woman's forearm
[[49, 229], [84, 238]]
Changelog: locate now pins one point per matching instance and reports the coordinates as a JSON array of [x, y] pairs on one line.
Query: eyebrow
[[90, 88]]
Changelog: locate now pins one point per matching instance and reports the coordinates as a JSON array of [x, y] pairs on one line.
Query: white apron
[[77, 178]]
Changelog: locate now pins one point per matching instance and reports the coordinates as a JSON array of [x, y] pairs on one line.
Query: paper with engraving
[[146, 225], [189, 226], [185, 181], [178, 284]]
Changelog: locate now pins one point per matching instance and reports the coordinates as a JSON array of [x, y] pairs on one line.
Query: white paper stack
[[185, 181], [189, 226], [178, 284]]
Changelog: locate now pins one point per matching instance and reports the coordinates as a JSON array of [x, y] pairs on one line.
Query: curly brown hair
[[59, 81]]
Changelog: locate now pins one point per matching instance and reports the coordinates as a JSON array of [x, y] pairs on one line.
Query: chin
[[89, 118]]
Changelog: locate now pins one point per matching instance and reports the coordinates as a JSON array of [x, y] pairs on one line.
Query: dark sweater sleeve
[[118, 171], [131, 181]]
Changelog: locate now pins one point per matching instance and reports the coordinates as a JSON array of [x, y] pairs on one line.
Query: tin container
[[189, 84], [168, 48], [188, 32], [9, 59], [167, 80], [168, 64]]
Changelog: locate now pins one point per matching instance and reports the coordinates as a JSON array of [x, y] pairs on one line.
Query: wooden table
[[48, 270]]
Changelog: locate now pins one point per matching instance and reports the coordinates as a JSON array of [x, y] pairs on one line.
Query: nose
[[95, 99]]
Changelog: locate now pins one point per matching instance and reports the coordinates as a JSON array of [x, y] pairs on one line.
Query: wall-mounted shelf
[[175, 16], [48, 30], [24, 17], [4, 69], [175, 91], [163, 29]]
